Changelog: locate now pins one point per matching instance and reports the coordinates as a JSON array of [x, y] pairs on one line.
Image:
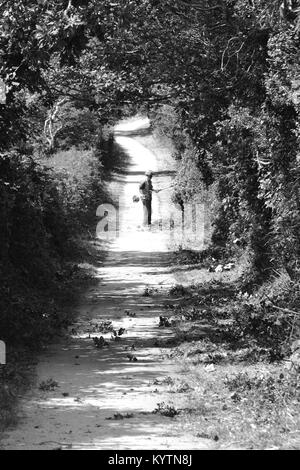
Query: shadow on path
[[105, 398]]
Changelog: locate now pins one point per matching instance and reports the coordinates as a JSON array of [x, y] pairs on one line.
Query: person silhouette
[[146, 190]]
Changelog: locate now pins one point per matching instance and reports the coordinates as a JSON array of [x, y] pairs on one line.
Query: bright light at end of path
[[131, 125]]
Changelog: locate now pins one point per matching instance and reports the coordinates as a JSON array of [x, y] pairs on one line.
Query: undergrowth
[[239, 351], [15, 377]]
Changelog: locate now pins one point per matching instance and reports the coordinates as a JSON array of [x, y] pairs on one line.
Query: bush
[[269, 317], [78, 176], [42, 208]]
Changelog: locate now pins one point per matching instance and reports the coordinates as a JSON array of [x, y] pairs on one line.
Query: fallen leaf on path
[[119, 416], [132, 358], [48, 385]]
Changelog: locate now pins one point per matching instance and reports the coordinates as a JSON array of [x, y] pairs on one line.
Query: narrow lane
[[104, 399]]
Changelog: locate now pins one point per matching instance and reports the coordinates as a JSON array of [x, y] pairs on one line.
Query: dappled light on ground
[[106, 396]]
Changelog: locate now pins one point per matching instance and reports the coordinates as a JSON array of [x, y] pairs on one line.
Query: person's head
[[149, 174]]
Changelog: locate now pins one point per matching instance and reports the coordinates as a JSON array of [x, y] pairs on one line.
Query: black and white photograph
[[150, 228]]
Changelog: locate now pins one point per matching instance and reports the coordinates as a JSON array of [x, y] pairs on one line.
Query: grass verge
[[239, 360]]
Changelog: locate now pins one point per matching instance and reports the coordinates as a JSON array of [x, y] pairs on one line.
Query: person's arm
[[154, 190]]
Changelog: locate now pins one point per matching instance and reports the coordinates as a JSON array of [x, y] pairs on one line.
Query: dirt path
[[97, 384]]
